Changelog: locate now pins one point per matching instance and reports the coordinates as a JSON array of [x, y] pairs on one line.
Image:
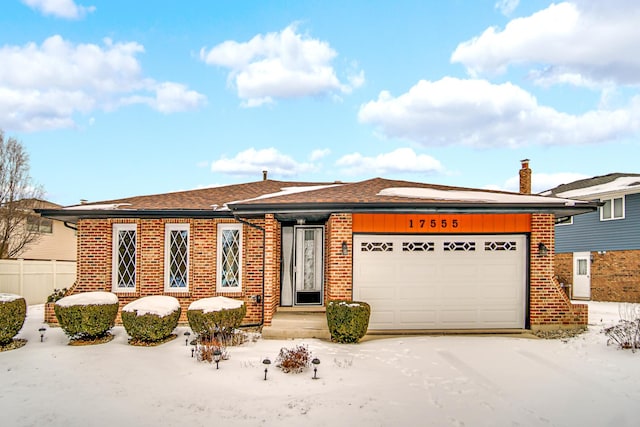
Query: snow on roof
[[208, 305], [284, 191], [88, 298], [621, 184], [161, 305], [9, 297], [470, 196], [106, 206]]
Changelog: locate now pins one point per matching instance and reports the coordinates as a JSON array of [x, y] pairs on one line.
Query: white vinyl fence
[[35, 280]]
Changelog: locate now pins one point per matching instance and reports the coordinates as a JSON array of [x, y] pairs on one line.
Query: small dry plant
[[205, 350], [294, 359]]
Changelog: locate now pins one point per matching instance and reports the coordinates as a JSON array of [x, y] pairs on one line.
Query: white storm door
[[309, 265], [581, 275]]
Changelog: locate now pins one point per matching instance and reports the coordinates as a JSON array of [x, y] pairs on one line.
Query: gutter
[[264, 258]]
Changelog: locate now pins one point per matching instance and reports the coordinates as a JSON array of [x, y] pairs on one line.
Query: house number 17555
[[434, 223]]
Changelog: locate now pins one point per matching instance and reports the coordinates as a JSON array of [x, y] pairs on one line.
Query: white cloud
[[319, 154], [280, 65], [541, 181], [60, 8], [479, 113], [573, 42], [253, 162], [506, 7], [44, 86], [402, 160]]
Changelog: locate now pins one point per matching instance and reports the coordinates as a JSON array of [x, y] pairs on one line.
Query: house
[[56, 241], [599, 252], [424, 256]]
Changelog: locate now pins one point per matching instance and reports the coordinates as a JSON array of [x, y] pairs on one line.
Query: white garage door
[[441, 281]]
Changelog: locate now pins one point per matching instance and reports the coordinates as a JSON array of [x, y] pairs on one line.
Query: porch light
[[266, 362], [216, 356], [345, 248], [542, 249], [42, 330], [186, 340], [315, 362]]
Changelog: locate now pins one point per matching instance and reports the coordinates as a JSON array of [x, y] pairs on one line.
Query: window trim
[[168, 228], [35, 224], [115, 257], [222, 227], [612, 209]]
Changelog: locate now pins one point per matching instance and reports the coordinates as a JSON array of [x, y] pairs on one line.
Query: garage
[[441, 281]]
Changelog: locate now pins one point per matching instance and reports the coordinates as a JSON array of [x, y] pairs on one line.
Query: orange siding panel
[[441, 223]]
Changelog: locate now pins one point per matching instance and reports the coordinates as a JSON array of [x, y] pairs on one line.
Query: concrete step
[[289, 324]]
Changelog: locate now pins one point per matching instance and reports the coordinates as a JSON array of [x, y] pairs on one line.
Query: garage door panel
[[441, 282]]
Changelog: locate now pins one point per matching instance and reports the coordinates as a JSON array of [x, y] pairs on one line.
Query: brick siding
[[549, 306], [95, 261], [615, 275]]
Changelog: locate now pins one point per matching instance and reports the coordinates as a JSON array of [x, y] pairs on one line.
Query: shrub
[[89, 315], [220, 315], [347, 320], [294, 360], [151, 319], [13, 312], [626, 334], [57, 295]]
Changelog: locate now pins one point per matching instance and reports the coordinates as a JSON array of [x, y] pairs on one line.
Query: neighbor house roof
[[598, 186], [319, 199]]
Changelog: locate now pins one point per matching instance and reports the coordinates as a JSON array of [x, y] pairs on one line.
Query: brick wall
[[615, 275], [338, 267], [549, 306], [95, 261]]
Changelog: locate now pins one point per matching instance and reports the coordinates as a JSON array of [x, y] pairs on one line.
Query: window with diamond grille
[[417, 246], [376, 247], [460, 246], [229, 258], [177, 257], [124, 257], [499, 246]]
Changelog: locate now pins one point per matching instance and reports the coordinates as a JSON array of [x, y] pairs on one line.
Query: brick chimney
[[525, 177], [264, 175]]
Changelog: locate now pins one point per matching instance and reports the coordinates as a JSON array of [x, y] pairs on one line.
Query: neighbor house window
[[612, 209], [176, 257], [39, 225], [124, 257], [229, 258]]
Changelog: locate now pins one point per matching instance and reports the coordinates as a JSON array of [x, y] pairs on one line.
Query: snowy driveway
[[409, 381]]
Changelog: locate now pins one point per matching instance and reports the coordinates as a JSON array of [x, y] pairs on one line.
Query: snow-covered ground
[[403, 381]]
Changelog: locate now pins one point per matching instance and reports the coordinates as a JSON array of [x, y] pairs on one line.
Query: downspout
[[66, 224], [264, 259]]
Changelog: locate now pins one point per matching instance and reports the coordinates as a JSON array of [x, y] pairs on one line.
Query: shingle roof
[[285, 197], [596, 181], [203, 198]]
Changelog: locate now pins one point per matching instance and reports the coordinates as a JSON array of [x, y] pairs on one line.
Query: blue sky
[[115, 98]]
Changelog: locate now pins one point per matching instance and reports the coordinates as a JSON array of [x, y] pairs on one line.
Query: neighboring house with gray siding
[[598, 253]]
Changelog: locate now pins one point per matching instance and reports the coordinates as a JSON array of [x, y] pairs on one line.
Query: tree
[[18, 198]]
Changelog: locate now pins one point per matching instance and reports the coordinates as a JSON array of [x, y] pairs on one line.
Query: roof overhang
[[72, 216], [321, 211]]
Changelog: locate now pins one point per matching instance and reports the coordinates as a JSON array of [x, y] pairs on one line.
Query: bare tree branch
[[18, 198]]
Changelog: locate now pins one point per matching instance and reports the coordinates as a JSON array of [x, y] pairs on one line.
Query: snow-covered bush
[[209, 316], [348, 321], [87, 315], [13, 312], [152, 318]]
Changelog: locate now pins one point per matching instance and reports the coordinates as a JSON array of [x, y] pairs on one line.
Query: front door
[[581, 275], [309, 265]]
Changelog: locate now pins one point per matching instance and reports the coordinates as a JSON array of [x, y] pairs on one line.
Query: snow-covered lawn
[[403, 381]]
